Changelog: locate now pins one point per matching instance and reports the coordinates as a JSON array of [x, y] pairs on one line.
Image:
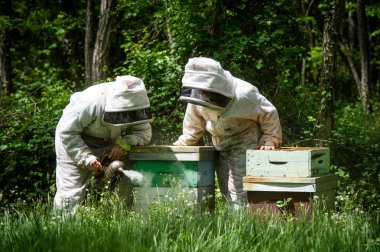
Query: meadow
[[176, 224]]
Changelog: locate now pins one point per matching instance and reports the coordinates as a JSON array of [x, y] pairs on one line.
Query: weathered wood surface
[[172, 153], [273, 184], [172, 148], [297, 180], [300, 202], [288, 162]]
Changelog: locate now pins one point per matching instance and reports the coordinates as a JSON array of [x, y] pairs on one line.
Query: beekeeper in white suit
[[100, 122], [237, 116]]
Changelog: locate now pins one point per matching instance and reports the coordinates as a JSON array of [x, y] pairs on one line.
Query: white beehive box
[[288, 162]]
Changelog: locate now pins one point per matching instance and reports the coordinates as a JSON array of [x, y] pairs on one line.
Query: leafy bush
[[356, 156], [27, 143], [161, 73]]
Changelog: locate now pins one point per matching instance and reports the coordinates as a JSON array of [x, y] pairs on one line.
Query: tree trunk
[[349, 61], [330, 32], [6, 85], [216, 24], [363, 46], [102, 42], [89, 42], [310, 38], [169, 33]]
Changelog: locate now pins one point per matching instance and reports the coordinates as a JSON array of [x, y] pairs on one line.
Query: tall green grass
[[176, 225]]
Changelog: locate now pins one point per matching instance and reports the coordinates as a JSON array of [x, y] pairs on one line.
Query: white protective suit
[[247, 121], [82, 135]]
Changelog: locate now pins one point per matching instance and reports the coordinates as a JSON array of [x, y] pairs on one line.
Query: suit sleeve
[[267, 116], [140, 134], [70, 128], [193, 127]]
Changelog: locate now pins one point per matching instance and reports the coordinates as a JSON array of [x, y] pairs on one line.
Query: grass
[[176, 225]]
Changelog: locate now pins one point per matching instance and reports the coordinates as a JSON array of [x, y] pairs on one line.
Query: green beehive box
[[190, 167], [288, 162]]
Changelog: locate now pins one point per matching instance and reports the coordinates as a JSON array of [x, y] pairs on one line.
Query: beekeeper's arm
[[70, 130], [193, 127], [267, 117], [140, 134]]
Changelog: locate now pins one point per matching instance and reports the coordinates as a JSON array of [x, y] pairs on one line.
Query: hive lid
[[172, 153], [172, 148]]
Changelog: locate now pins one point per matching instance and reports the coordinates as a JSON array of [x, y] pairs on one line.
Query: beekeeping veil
[[205, 83], [126, 102]]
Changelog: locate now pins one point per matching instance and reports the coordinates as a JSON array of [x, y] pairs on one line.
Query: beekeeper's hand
[[266, 147], [94, 165], [116, 153]]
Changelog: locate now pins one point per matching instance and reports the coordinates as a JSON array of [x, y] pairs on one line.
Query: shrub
[[27, 143], [356, 155]]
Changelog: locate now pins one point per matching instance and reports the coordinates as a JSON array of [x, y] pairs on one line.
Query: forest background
[[317, 61]]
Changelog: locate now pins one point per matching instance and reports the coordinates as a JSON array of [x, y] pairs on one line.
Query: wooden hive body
[[190, 167], [265, 192], [288, 162]]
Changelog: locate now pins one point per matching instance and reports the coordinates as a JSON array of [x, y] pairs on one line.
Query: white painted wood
[[172, 153], [172, 148], [300, 180], [327, 183], [166, 156], [288, 162]]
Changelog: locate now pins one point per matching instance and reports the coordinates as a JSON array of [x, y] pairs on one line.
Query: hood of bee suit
[[205, 74], [126, 102], [127, 93]]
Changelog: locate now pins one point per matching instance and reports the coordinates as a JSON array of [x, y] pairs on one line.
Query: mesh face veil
[[205, 83], [204, 98], [126, 117], [126, 102]]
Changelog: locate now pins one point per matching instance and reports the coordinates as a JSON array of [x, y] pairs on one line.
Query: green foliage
[[53, 39], [27, 143], [262, 43], [356, 154], [162, 75]]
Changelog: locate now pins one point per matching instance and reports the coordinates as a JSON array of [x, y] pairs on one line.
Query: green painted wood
[[288, 162], [163, 173], [191, 166]]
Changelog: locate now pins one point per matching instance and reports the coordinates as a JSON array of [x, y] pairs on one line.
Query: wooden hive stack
[[288, 178], [192, 168]]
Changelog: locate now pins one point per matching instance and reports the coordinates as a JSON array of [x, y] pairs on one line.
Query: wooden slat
[[290, 187], [177, 156], [172, 153], [316, 184], [171, 149], [252, 179]]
